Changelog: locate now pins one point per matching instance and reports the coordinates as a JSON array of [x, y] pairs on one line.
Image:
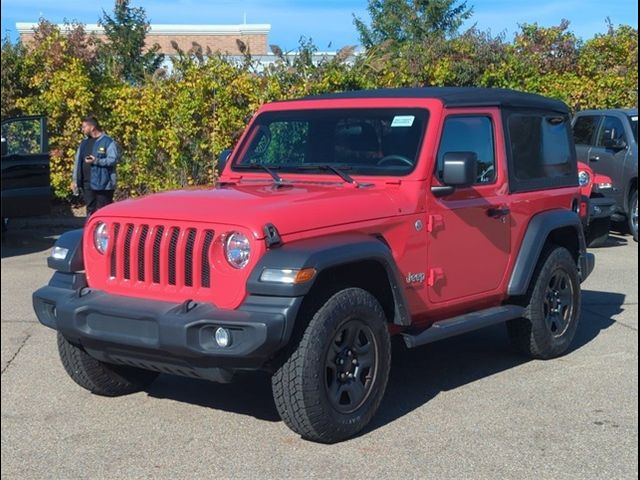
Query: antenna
[[245, 18]]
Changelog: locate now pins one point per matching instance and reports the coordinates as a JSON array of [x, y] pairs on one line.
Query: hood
[[292, 209]]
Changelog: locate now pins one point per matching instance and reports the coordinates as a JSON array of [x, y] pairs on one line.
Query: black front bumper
[[601, 207], [168, 337]]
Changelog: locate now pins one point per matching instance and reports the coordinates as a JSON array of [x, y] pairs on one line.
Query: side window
[[469, 134], [22, 137], [611, 133], [583, 130], [540, 147]]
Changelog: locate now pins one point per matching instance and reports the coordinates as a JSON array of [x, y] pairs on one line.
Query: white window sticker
[[402, 121], [634, 118]]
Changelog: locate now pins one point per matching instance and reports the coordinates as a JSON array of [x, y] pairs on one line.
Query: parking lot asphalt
[[466, 407]]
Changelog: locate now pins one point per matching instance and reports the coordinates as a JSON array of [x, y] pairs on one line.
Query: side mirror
[[619, 144], [222, 160], [613, 141], [4, 146], [460, 169]]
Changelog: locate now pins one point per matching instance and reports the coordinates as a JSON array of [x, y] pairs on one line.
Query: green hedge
[[171, 127]]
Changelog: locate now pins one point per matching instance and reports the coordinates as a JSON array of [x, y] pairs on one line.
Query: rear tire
[[553, 307], [332, 384], [99, 377], [598, 232]]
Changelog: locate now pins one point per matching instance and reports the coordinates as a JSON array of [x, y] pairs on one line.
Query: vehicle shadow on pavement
[[417, 375], [249, 395], [24, 242], [598, 310], [614, 240]]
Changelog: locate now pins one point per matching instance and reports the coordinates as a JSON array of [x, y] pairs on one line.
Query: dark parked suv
[[607, 140], [26, 189]]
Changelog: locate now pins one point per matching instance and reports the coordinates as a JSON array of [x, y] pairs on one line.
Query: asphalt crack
[[16, 354]]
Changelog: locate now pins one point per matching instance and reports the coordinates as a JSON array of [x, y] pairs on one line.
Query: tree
[[123, 53], [15, 77], [401, 21]]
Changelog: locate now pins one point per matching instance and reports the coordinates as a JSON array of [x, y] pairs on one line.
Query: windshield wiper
[[270, 170], [338, 171]]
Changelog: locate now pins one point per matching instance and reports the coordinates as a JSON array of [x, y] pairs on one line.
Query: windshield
[[362, 141], [633, 119]]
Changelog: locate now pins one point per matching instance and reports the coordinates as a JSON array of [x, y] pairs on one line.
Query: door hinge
[[435, 275], [434, 222]]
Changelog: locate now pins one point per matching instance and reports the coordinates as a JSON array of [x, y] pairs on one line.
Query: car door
[[608, 154], [470, 234], [585, 128], [26, 189]]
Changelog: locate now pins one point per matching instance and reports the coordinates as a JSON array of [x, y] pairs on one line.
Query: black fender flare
[[323, 253], [538, 230], [73, 261]]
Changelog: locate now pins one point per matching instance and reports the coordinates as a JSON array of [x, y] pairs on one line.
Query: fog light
[[223, 337]]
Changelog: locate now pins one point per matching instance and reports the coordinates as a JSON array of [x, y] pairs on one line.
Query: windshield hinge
[[271, 235]]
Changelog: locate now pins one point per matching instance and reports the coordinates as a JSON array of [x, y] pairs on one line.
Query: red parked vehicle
[[338, 221], [597, 205]]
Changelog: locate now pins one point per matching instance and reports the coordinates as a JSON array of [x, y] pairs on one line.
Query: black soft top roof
[[458, 97]]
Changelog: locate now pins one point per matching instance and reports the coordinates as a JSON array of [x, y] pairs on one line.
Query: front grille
[[141, 252], [173, 246], [156, 254], [188, 254], [206, 268], [172, 256], [127, 249]]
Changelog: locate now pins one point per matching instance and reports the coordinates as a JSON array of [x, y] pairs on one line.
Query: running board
[[463, 324]]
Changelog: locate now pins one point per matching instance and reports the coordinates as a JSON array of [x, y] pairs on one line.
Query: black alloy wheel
[[558, 303], [351, 366]]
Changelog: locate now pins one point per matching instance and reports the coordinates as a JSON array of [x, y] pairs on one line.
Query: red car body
[[597, 206], [336, 222], [320, 205]]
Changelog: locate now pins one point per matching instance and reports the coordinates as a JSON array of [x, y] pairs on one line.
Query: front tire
[[332, 384], [553, 308], [99, 377]]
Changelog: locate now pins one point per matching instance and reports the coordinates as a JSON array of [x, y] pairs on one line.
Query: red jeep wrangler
[[338, 221]]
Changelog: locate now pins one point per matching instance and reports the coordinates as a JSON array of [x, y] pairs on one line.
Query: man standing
[[94, 170]]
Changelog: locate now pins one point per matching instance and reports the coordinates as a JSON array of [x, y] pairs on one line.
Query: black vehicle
[[26, 189], [607, 141]]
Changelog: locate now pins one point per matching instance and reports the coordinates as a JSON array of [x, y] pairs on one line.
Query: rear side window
[[611, 132], [469, 134], [23, 136], [584, 130], [541, 152]]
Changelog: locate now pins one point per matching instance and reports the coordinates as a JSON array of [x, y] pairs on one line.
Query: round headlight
[[237, 250], [101, 237], [584, 178]]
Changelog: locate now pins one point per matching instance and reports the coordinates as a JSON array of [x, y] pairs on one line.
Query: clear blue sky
[[325, 21]]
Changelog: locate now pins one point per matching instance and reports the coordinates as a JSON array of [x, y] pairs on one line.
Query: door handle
[[498, 212], [594, 159]]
